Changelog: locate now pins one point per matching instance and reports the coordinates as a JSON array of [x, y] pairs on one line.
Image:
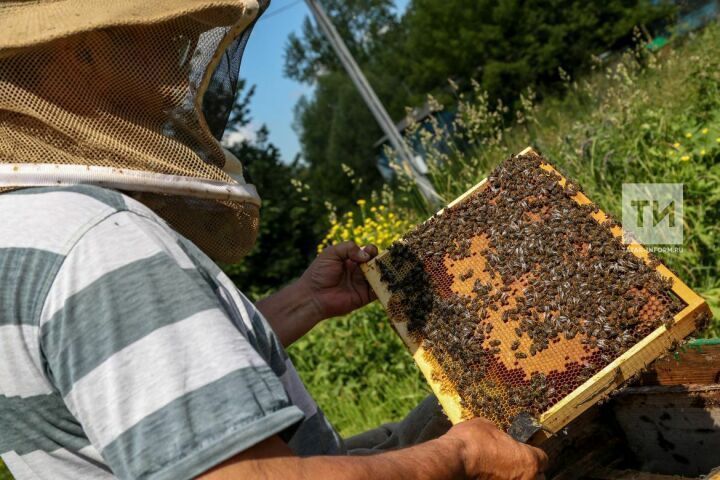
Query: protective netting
[[224, 230], [151, 97], [520, 295]]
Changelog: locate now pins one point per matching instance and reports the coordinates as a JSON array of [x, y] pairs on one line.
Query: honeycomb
[[519, 295]]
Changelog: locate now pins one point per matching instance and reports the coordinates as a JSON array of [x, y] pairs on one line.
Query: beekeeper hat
[[133, 95]]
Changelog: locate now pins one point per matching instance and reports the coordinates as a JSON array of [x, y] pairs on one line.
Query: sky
[[262, 65]]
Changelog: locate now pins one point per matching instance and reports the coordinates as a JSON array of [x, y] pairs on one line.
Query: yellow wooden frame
[[599, 385]]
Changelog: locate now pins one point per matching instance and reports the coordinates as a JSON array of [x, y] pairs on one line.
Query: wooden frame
[[629, 364]]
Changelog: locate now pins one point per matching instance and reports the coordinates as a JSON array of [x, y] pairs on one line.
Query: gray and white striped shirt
[[125, 351]]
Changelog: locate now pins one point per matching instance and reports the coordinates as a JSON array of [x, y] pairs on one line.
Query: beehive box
[[519, 300]]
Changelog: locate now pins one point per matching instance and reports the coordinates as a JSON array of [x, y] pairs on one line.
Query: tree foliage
[[509, 44], [347, 137], [504, 45], [334, 125], [361, 24]]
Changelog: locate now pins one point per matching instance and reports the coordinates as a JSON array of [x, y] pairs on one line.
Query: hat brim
[[31, 23]]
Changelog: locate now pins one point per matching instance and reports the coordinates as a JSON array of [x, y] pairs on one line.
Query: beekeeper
[[124, 349]]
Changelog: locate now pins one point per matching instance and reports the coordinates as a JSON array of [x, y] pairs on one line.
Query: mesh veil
[[136, 101]]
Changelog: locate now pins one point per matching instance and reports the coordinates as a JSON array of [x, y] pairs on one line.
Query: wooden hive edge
[[639, 356], [446, 395], [629, 364]]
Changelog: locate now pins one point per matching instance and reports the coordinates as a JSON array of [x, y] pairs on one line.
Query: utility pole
[[374, 104]]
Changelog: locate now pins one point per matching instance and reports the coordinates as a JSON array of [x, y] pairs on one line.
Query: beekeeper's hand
[[332, 285], [335, 280], [489, 453]]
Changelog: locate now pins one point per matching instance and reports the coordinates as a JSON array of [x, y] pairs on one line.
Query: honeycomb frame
[[597, 387]]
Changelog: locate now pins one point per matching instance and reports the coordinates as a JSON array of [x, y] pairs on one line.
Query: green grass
[[358, 371], [644, 119], [4, 473]]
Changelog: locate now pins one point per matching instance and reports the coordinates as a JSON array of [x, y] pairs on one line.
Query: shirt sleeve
[[145, 357]]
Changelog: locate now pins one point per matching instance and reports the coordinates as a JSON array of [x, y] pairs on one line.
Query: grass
[[358, 371]]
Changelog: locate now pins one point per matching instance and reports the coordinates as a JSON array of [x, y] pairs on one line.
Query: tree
[[336, 128], [334, 125], [505, 45], [361, 23]]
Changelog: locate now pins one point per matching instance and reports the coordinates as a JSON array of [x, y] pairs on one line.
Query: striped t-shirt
[[125, 351]]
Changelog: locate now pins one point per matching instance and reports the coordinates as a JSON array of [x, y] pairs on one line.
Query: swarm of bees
[[519, 294]]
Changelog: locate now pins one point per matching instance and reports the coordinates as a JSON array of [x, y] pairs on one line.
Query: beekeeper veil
[[132, 95]]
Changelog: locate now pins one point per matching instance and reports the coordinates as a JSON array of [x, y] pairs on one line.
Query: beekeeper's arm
[[474, 450]]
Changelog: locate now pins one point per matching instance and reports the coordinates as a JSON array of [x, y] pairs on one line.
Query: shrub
[[378, 225]]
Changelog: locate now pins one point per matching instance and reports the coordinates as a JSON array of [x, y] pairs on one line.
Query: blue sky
[[262, 65]]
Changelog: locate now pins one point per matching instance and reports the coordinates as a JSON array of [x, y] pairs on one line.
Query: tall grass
[[4, 473]]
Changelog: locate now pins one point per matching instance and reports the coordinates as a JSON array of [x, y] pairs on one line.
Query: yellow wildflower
[[702, 152], [677, 144], [685, 158], [688, 135], [705, 131], [378, 225]]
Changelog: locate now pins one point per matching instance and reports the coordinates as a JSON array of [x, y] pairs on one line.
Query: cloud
[[242, 134]]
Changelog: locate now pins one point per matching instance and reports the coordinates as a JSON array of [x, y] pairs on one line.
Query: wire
[[279, 10]]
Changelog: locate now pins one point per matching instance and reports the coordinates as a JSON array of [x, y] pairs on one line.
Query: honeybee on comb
[[518, 294]]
